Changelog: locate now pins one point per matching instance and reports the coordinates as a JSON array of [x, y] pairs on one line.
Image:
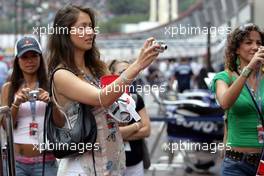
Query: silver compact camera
[[33, 95], [162, 45]]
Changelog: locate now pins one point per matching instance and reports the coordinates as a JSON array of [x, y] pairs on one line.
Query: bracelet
[[124, 79], [15, 106], [246, 72]]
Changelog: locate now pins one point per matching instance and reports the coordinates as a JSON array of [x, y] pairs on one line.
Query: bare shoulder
[[4, 93], [63, 75], [69, 86], [5, 87]]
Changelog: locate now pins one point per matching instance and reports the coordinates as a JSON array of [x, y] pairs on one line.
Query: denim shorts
[[51, 168], [231, 167]]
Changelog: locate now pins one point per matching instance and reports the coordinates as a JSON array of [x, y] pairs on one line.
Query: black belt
[[250, 158]]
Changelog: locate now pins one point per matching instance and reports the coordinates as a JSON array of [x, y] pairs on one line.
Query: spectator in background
[[183, 73], [134, 132], [29, 73], [3, 71], [235, 88], [154, 74], [200, 79]]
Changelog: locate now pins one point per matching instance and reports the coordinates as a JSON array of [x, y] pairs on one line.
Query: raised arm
[[227, 96], [70, 86]]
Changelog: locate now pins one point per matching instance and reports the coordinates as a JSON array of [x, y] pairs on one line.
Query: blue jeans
[[51, 168], [237, 168]]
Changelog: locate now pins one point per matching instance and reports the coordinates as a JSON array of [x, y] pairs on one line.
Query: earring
[[238, 61]]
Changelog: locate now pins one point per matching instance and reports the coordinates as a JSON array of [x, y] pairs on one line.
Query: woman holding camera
[[133, 133], [79, 53], [26, 94], [240, 92]]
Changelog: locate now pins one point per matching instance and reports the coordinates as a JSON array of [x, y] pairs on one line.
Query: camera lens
[[163, 46]]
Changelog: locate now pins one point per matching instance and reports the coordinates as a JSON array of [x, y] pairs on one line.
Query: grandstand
[[215, 15], [185, 36]]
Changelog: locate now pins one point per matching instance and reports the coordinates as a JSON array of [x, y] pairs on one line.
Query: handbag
[[146, 156], [83, 131], [66, 141]]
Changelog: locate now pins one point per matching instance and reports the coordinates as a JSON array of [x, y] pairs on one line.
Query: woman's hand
[[147, 54], [138, 125], [257, 60], [21, 96], [43, 95]]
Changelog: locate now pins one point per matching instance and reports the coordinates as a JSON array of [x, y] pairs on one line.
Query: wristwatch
[[246, 72]]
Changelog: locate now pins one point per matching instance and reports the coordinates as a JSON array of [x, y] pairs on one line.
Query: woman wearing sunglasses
[[133, 133]]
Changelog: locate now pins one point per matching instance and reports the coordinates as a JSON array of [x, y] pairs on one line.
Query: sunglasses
[[247, 25], [120, 72]]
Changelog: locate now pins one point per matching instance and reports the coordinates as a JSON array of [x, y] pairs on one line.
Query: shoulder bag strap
[[256, 105], [44, 128], [52, 75]]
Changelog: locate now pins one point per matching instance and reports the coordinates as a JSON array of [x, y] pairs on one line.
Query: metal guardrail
[[6, 114]]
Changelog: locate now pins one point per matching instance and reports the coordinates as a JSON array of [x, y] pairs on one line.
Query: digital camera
[[162, 45], [33, 95]]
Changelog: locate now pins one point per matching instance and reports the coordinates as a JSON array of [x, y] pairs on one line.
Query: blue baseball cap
[[26, 44]]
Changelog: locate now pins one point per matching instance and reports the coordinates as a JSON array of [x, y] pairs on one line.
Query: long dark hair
[[61, 49], [234, 40], [17, 78]]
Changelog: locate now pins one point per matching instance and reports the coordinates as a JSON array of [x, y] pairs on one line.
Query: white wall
[[258, 13]]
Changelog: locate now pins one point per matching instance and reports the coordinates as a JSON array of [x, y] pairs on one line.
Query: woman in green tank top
[[233, 88]]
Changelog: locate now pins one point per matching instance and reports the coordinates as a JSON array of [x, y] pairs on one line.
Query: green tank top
[[242, 117]]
